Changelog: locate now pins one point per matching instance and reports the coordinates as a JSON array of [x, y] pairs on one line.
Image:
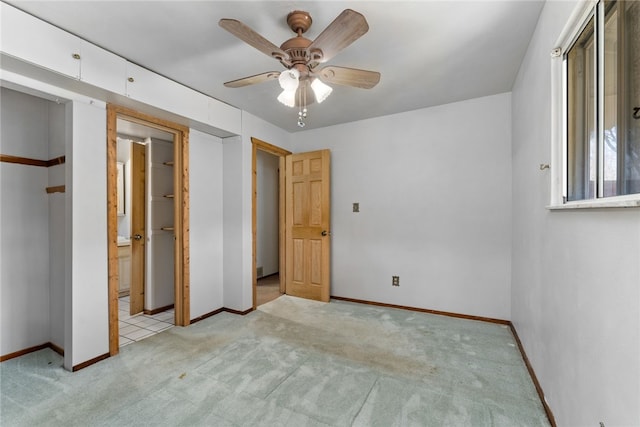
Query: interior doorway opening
[[268, 221], [146, 296], [267, 250], [150, 215]]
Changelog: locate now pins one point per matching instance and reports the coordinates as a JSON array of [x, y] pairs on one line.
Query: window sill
[[606, 203]]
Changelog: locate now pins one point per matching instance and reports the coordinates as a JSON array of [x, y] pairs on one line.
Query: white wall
[[206, 218], [238, 237], [87, 224], [576, 274], [57, 230], [434, 187], [232, 218], [267, 182], [57, 237]]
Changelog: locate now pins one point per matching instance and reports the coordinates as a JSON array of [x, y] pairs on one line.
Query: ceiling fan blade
[[258, 78], [252, 38], [348, 27], [349, 76]]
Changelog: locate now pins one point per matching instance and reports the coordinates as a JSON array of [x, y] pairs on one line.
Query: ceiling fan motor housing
[[298, 47]]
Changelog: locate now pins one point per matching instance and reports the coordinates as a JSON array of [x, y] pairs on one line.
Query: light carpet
[[293, 362]]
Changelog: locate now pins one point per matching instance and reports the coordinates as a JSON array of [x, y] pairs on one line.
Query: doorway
[[172, 238], [267, 250], [140, 312], [304, 211], [268, 279]]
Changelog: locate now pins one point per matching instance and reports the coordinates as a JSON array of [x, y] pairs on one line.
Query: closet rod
[[32, 162]]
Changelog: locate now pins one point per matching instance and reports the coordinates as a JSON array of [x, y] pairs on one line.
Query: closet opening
[[33, 219], [148, 215]]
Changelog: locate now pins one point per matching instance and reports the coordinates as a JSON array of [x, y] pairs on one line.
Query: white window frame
[[559, 156]]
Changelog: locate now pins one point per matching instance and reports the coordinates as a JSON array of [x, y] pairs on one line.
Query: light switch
[[356, 207]]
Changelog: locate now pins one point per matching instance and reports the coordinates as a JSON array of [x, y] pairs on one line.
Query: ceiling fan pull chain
[[302, 105]]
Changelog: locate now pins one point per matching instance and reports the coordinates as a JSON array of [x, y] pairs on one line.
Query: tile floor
[[141, 326]]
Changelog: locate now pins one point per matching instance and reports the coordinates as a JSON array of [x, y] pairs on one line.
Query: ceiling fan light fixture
[[301, 57], [320, 90], [288, 79], [288, 98]]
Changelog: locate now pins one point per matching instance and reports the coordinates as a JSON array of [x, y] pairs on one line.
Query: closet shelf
[[56, 189], [166, 228]]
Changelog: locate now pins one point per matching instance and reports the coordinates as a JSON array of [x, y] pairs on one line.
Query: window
[[601, 89]]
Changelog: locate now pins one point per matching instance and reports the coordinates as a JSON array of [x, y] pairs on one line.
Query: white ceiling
[[428, 52]]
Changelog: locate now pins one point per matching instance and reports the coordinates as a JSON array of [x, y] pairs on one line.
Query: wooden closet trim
[[32, 162], [57, 161], [56, 189]]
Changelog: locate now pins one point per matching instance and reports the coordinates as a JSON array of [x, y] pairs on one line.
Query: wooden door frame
[[281, 153], [181, 213]]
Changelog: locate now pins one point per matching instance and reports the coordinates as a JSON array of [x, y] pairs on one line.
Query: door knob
[[137, 237], [325, 233]]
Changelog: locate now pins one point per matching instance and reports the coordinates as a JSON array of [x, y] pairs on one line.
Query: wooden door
[[308, 241], [138, 233]]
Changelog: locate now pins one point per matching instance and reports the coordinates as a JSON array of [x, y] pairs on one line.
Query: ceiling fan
[[304, 82]]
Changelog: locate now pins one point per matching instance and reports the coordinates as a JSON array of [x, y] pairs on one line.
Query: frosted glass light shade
[[288, 97], [288, 79], [320, 90]]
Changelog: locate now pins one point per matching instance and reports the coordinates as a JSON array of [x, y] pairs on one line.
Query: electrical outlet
[[395, 280], [356, 207]]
